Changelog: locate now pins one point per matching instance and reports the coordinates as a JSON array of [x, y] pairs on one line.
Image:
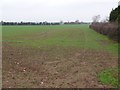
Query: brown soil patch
[[56, 67]]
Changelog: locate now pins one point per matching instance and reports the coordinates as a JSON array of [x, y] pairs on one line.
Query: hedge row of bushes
[[112, 30]]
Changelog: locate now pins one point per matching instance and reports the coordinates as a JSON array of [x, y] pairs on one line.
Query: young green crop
[[78, 36]]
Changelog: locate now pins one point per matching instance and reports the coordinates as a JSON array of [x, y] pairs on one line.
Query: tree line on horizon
[[42, 23], [29, 23]]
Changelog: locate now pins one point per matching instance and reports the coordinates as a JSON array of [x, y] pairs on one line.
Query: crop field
[[54, 56]]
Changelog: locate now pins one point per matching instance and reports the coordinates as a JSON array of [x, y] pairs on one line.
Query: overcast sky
[[55, 10]]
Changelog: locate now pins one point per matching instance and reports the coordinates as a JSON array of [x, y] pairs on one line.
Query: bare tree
[[77, 21], [96, 18], [106, 19]]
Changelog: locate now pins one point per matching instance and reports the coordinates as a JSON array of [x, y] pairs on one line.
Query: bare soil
[[54, 67]]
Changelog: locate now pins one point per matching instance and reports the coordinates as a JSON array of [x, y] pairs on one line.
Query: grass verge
[[109, 77]]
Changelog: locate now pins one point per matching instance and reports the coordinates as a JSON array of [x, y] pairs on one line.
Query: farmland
[[56, 56]]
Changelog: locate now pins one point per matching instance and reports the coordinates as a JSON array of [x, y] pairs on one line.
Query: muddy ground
[[54, 67]]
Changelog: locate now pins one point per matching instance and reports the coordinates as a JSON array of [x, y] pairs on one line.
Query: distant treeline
[[29, 23], [39, 23]]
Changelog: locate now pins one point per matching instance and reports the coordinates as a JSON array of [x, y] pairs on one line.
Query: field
[[0, 57], [57, 56]]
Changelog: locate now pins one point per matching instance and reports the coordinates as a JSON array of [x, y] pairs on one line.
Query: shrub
[[112, 30]]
